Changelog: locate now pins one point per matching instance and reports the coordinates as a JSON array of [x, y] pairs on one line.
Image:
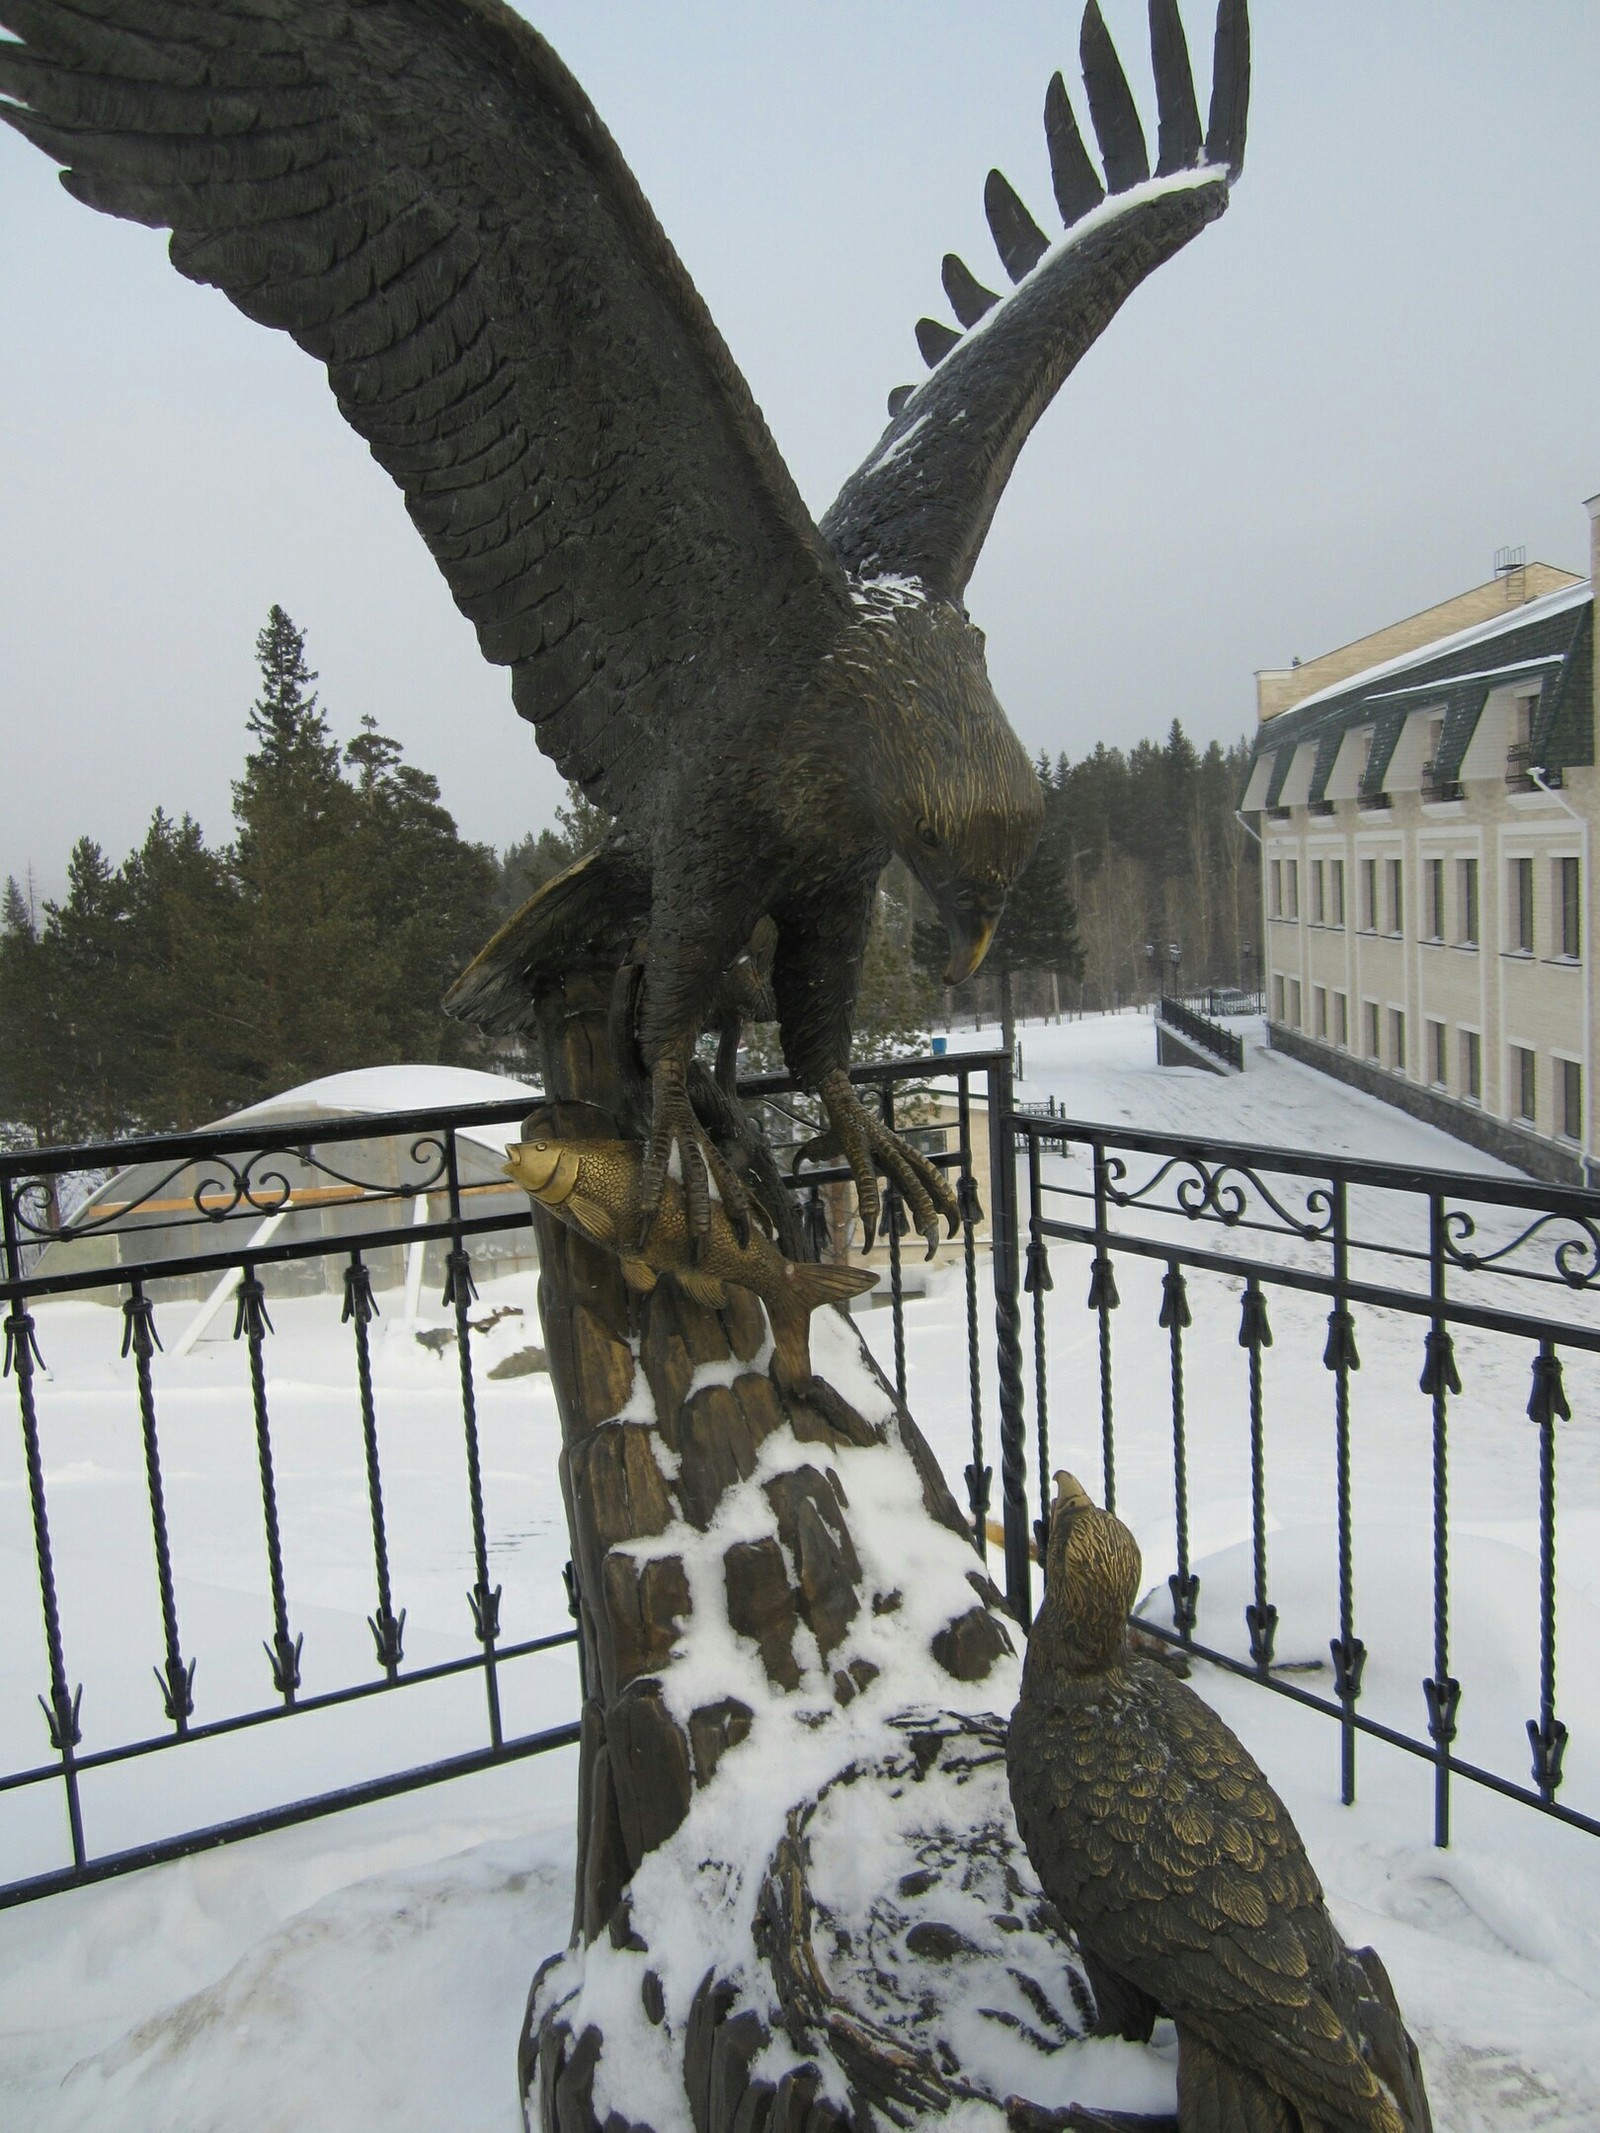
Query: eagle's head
[[950, 785], [1093, 1570]]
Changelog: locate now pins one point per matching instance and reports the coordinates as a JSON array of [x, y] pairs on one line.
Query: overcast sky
[[1330, 410]]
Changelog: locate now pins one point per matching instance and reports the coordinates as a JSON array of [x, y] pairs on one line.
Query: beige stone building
[[1426, 800]]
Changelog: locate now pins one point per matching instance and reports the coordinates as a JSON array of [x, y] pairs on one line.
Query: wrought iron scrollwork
[[1221, 1193], [1576, 1258], [228, 1186]]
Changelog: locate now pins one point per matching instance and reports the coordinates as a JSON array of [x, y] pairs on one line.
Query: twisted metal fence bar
[[1504, 1257]]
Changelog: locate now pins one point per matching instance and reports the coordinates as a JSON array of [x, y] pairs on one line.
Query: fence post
[[1008, 1343]]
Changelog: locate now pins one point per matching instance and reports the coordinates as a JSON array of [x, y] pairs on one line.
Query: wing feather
[[421, 196], [921, 503]]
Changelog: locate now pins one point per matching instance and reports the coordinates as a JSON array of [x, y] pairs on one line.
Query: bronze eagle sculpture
[[766, 707], [1176, 1865]]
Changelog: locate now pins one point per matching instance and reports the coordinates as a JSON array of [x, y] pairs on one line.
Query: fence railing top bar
[[335, 1246], [287, 1133], [267, 1135], [1215, 1155], [928, 1066]]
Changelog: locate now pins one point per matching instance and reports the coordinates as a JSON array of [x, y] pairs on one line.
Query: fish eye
[[927, 836]]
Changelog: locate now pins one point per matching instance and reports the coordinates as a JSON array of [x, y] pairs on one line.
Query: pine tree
[[428, 898], [35, 1102], [305, 928], [527, 865], [190, 992]]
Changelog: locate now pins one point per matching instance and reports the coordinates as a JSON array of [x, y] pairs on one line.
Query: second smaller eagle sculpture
[[1176, 1865]]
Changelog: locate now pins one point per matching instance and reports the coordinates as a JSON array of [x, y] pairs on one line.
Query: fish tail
[[804, 1288]]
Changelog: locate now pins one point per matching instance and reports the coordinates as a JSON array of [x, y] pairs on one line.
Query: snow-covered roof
[[368, 1091], [1514, 618]]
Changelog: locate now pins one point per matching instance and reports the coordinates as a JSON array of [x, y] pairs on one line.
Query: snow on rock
[[693, 1899]]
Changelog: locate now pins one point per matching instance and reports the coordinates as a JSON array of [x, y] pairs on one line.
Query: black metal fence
[[1183, 1253], [235, 1227], [1224, 1044], [1230, 1242]]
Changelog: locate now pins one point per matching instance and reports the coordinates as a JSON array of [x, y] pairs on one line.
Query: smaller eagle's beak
[[1071, 1495], [970, 934]]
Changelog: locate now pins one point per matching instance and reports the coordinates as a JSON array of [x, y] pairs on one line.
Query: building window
[[1439, 1062], [1397, 1038], [1374, 1031], [1319, 1007], [1467, 905], [1316, 892], [1277, 888], [1341, 1022], [1521, 902], [1524, 1084], [1294, 1003], [1369, 895], [1566, 885], [1277, 1000], [1291, 882], [1571, 1085], [1434, 876], [1335, 892], [1397, 899], [1471, 1065]]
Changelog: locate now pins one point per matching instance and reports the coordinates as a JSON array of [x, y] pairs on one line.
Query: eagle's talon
[[674, 1125], [869, 1146]]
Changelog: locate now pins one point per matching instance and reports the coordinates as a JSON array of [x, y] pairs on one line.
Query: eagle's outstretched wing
[[920, 505], [422, 196]]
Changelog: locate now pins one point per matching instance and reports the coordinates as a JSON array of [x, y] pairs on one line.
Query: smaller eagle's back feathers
[[1162, 1844]]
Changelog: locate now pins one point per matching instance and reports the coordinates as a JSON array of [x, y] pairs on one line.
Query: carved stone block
[[605, 1854], [826, 1564], [969, 1646], [649, 1768], [717, 1447], [602, 1363], [645, 1603], [761, 1605], [623, 1493], [745, 1323], [737, 2040], [936, 1497], [713, 1730], [707, 2011]]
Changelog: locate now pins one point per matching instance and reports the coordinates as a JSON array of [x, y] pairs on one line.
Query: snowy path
[[369, 1971]]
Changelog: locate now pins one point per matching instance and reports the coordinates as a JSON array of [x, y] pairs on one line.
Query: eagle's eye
[[927, 836]]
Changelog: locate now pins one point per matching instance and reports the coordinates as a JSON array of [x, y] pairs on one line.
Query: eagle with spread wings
[[765, 706]]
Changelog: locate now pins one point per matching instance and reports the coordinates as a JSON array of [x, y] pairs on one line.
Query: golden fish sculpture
[[593, 1187]]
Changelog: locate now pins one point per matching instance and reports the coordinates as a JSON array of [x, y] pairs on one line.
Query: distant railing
[[1224, 1044], [1524, 771], [1436, 788]]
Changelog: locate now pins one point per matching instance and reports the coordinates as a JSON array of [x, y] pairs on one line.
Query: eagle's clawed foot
[[676, 1130], [869, 1146]]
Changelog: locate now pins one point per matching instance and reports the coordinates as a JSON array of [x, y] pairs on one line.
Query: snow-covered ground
[[369, 1970]]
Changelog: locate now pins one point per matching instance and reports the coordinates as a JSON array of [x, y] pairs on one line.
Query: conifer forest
[[194, 977]]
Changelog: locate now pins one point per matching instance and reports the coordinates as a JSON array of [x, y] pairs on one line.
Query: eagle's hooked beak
[[971, 929], [1071, 1495]]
